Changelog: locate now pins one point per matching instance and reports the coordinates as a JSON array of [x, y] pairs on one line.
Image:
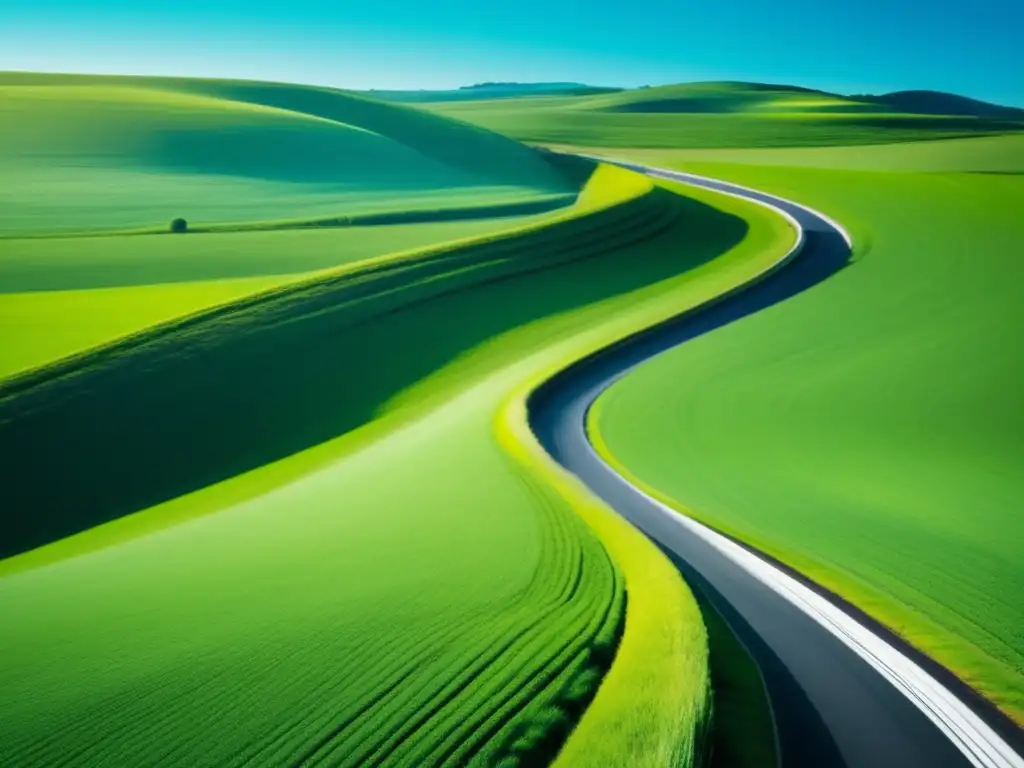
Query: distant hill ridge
[[727, 96], [942, 103], [144, 150], [721, 96], [557, 86], [492, 90]]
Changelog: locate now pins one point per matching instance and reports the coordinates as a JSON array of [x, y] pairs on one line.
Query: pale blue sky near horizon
[[971, 48]]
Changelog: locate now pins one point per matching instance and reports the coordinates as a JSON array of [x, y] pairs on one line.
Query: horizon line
[[652, 84]]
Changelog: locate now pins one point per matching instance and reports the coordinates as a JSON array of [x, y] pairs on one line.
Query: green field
[[104, 153], [242, 531], [269, 492], [65, 295], [868, 431], [324, 549], [119, 157], [489, 91], [722, 115], [986, 154]]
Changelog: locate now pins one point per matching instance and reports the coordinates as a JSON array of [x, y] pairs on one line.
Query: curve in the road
[[844, 692]]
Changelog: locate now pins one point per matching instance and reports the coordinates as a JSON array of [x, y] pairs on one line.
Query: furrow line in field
[[283, 740], [397, 678], [538, 621], [458, 678], [317, 703], [525, 669], [521, 704], [541, 678]]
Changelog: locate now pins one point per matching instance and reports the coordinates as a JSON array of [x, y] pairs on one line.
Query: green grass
[[295, 562], [86, 153], [868, 431], [41, 327], [318, 373], [317, 621], [488, 91], [744, 728], [638, 718], [62, 296], [301, 179], [714, 115], [57, 264], [987, 154]]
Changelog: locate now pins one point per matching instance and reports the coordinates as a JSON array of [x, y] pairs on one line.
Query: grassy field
[[239, 527], [85, 153], [985, 154], [117, 157], [720, 115], [66, 295], [869, 431], [264, 546]]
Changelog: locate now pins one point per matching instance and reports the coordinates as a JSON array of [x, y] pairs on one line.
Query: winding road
[[844, 692]]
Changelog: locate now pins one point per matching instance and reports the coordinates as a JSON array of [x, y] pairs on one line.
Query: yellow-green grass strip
[[43, 326], [652, 706]]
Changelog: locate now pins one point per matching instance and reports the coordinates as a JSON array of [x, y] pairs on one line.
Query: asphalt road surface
[[843, 692]]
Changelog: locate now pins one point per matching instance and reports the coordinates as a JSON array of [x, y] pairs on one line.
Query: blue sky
[[967, 46]]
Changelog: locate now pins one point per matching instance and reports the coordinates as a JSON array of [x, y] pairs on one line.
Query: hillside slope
[[939, 103], [323, 582], [490, 91], [867, 432], [92, 153], [728, 114]]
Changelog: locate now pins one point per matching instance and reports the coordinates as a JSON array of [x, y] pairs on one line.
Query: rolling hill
[[483, 91], [865, 432], [265, 548], [292, 179], [726, 114], [250, 557], [939, 103], [106, 153]]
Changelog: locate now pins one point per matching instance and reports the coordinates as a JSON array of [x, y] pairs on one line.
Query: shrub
[[179, 225]]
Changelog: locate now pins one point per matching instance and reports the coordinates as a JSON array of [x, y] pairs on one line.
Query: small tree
[[179, 225]]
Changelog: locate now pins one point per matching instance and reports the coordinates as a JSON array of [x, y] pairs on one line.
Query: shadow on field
[[687, 105], [747, 729], [215, 399], [460, 145]]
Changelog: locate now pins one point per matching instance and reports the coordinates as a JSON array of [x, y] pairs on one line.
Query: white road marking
[[979, 743]]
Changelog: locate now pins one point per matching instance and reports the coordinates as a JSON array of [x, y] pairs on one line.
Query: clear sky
[[972, 47]]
